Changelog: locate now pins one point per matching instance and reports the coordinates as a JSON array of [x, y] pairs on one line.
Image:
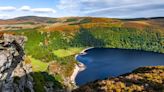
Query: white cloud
[[4, 16], [16, 12], [65, 4], [69, 8], [42, 15], [28, 8], [43, 10], [25, 8], [38, 10], [7, 8]]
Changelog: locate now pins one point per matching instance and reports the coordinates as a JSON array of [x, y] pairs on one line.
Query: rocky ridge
[[14, 73]]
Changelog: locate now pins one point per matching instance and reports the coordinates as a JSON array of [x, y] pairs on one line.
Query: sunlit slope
[[74, 23], [144, 79]]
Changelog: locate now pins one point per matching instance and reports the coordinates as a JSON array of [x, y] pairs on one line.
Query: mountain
[[37, 19], [73, 23], [26, 19], [25, 23]]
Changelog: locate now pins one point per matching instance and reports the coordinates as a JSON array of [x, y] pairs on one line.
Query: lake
[[104, 62]]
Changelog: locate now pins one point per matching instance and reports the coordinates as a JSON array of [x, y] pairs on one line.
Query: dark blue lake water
[[102, 63]]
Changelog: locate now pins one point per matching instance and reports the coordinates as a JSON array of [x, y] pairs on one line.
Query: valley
[[53, 43]]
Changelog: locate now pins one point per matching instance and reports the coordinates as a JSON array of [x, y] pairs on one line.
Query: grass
[[38, 65], [66, 52]]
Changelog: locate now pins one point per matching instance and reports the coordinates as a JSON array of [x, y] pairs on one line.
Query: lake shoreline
[[83, 52], [79, 66]]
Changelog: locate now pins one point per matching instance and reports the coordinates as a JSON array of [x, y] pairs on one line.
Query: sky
[[96, 8]]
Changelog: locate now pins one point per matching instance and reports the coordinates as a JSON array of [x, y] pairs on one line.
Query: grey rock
[[14, 73]]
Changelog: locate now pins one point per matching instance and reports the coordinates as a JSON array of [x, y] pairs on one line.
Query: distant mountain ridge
[[144, 18], [37, 19], [23, 19], [74, 23]]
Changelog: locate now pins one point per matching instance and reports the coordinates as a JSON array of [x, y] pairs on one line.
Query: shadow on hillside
[[86, 39], [41, 81]]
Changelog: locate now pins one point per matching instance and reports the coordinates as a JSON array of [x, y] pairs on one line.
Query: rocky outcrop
[[14, 73]]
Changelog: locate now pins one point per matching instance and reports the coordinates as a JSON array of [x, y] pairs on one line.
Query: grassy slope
[[37, 65], [61, 53]]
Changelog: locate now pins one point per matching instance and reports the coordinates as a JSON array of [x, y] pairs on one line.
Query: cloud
[[43, 15], [43, 10], [69, 8], [28, 8], [25, 8], [4, 16], [7, 8], [112, 8], [133, 7], [100, 8], [24, 11], [71, 4], [133, 10], [38, 10]]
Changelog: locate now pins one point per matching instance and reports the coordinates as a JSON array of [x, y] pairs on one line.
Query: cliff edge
[[14, 74]]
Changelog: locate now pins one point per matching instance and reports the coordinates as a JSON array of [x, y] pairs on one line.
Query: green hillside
[[52, 48]]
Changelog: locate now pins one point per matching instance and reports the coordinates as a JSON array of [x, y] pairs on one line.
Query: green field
[[61, 53], [37, 65]]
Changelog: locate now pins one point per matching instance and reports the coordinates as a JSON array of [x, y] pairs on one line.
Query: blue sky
[[97, 8]]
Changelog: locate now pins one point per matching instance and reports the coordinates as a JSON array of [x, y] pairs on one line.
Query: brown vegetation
[[67, 28], [144, 79]]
